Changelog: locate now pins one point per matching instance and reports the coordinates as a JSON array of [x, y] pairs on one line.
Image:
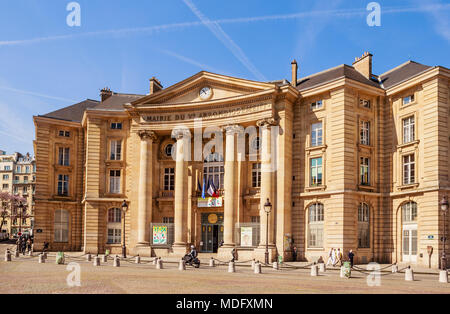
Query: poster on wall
[[159, 235], [210, 202], [246, 236]]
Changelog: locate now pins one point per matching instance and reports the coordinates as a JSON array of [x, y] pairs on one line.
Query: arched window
[[363, 226], [409, 212], [213, 169], [114, 225], [315, 225], [61, 225]]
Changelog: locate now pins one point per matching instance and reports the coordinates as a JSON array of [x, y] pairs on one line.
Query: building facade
[[346, 158], [17, 178]]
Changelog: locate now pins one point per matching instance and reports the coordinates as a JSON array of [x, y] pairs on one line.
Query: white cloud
[[20, 91]]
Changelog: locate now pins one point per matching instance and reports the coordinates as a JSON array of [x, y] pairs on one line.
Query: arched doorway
[[409, 232]]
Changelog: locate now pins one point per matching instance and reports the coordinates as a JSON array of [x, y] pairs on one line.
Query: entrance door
[[410, 243]]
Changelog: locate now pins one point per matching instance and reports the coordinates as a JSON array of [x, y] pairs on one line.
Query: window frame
[[364, 225], [115, 183], [115, 149], [315, 134], [59, 224], [316, 222], [63, 185], [256, 175], [311, 168], [408, 129], [364, 169], [169, 179], [64, 156], [364, 132], [409, 174]]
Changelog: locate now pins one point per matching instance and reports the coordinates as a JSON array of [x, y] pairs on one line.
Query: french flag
[[212, 191]]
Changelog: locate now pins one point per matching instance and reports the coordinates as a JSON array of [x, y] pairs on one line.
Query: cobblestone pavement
[[26, 275]]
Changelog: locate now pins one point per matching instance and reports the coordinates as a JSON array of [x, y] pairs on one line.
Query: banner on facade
[[159, 235], [246, 236], [210, 202]]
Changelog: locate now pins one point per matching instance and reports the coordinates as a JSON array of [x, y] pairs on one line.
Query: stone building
[[348, 159]]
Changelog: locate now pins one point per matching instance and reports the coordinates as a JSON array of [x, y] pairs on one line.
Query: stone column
[[181, 191], [145, 184]]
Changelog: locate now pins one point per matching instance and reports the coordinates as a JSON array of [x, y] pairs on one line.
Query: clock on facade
[[205, 93]]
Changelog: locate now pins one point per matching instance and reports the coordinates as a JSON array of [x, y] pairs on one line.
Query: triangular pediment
[[188, 90]]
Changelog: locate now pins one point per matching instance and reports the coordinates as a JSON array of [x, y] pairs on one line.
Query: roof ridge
[[321, 72], [399, 66]]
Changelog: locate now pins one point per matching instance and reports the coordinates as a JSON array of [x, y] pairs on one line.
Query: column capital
[[232, 128], [147, 135], [267, 122], [179, 134]]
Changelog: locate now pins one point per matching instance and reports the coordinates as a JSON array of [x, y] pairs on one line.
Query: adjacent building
[[347, 159]]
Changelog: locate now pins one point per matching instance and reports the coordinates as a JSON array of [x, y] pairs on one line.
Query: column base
[[179, 250], [259, 253], [142, 249], [224, 252]]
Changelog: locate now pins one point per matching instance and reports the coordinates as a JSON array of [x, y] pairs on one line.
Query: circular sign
[[212, 219]]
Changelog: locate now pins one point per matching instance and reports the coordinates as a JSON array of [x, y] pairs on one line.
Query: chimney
[[105, 93], [364, 65], [294, 73], [155, 85]]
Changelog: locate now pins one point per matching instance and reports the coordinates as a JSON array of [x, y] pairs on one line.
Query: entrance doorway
[[212, 232], [410, 243]]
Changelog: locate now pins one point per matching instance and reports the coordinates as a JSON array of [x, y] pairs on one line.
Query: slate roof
[[116, 101], [401, 73], [72, 113]]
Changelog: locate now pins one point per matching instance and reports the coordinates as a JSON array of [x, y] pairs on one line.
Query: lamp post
[[267, 209], [20, 215], [444, 207], [124, 211]]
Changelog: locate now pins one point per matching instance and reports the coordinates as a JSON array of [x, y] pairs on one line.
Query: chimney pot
[[364, 64], [155, 85], [105, 93], [294, 69]]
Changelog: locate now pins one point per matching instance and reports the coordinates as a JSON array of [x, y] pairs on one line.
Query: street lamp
[[267, 209], [444, 207], [124, 211]]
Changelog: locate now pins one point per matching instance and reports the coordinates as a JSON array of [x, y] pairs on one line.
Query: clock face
[[205, 93]]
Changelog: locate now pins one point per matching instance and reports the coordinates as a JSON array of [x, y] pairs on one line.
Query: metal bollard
[[41, 259], [138, 259], [409, 274], [7, 256], [181, 265], [276, 266], [342, 272], [258, 268], [88, 257], [105, 258], [253, 264], [116, 262], [96, 261], [211, 262], [322, 268], [16, 254], [395, 268], [443, 276], [231, 267], [314, 270]]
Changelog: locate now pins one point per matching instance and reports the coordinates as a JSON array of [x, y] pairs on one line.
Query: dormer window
[[64, 133], [408, 100], [317, 105], [365, 103], [116, 126]]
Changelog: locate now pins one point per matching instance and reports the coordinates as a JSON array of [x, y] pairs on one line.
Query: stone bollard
[[88, 257], [395, 268], [342, 272], [16, 254], [105, 258], [181, 265], [276, 266], [45, 255], [159, 264], [8, 256], [231, 267], [96, 261], [253, 264], [258, 268], [211, 262], [116, 262], [314, 270], [409, 274], [41, 259], [138, 259], [30, 253], [443, 276], [322, 268], [155, 261]]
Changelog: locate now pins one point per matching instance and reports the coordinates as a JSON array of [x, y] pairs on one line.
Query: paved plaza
[[25, 274]]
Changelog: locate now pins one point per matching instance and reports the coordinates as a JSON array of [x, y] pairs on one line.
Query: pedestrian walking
[[45, 248], [339, 257], [351, 255], [24, 246], [330, 257], [294, 253], [29, 245]]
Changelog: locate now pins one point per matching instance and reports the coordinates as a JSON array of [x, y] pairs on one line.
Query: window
[[5, 176], [116, 126], [365, 171], [19, 169], [256, 175], [5, 186], [63, 156], [25, 190], [16, 178], [409, 212], [7, 167], [114, 215], [255, 219], [64, 133], [169, 179], [408, 169], [256, 143], [168, 220], [114, 225], [27, 169], [407, 100], [25, 179], [63, 185], [116, 150], [114, 181], [61, 226], [168, 150], [317, 105], [316, 171], [363, 226], [408, 130], [364, 103], [316, 134], [365, 132], [315, 226], [213, 170]]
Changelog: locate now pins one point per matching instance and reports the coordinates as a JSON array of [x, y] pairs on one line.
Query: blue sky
[[46, 65]]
